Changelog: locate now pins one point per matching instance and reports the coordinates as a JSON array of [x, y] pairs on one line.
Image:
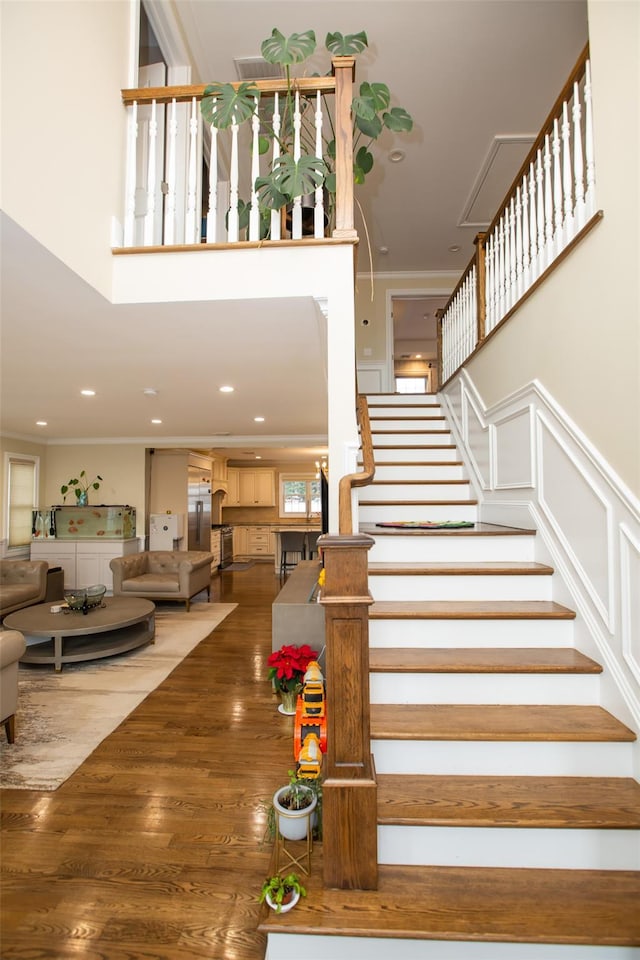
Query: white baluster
[[191, 231], [233, 219], [296, 220], [590, 193], [578, 163], [275, 214], [548, 203], [558, 243], [254, 212], [130, 204], [533, 227], [318, 212], [501, 273], [566, 175], [488, 284], [212, 211], [542, 262], [513, 261], [170, 200], [519, 249], [149, 220], [526, 236]]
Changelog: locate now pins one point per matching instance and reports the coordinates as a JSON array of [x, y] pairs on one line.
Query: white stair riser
[[555, 849], [470, 633], [369, 513], [477, 688], [503, 758], [435, 452], [419, 472], [292, 946], [407, 439], [431, 409], [453, 587], [416, 491], [416, 424], [448, 547]]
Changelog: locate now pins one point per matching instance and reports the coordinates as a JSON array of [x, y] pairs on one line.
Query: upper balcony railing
[[550, 203], [191, 183]]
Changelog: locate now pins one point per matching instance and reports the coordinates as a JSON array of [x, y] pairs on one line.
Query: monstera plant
[[224, 104]]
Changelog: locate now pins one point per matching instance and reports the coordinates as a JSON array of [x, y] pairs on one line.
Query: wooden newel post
[[344, 71], [350, 851], [481, 283]]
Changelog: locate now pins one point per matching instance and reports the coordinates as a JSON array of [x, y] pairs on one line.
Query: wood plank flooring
[[152, 849]]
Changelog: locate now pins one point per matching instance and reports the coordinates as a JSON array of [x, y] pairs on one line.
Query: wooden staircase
[[508, 821]]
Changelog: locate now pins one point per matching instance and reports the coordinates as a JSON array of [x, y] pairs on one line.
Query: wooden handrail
[[182, 93], [362, 477]]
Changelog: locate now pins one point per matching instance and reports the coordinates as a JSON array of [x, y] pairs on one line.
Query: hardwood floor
[[152, 849]]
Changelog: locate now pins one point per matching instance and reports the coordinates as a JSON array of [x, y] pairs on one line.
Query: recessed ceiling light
[[383, 250], [150, 392], [227, 389], [397, 156], [259, 419], [258, 457], [41, 423], [88, 393], [156, 421], [418, 356], [454, 248]]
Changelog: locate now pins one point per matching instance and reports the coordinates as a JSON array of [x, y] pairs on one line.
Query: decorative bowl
[[85, 598]]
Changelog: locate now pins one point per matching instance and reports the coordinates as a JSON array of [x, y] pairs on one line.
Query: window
[[22, 486], [411, 384], [299, 496]]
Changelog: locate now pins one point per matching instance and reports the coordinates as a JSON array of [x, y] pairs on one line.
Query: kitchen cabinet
[[239, 541], [251, 488], [84, 562], [259, 541], [215, 550]]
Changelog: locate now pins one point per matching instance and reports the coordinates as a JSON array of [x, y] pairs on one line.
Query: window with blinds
[[22, 477]]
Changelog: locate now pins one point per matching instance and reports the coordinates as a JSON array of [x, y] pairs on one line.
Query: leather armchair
[[22, 583], [162, 575], [12, 646]]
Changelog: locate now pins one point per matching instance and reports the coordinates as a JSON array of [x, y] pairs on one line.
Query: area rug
[[238, 565], [425, 524], [62, 717]]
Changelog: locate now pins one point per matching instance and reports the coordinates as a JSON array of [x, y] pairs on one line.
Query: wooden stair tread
[[479, 529], [416, 446], [562, 660], [416, 483], [418, 503], [416, 463], [404, 417], [461, 569], [577, 802], [497, 722], [472, 903], [469, 610]]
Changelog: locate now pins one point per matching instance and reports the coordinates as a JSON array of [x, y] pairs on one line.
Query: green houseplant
[[225, 103], [291, 807], [282, 893], [81, 487]]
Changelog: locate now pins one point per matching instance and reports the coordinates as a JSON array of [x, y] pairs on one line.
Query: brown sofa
[[12, 646], [22, 583], [162, 574]]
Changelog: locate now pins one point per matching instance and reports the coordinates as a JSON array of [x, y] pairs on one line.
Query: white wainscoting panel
[[514, 450], [533, 467], [371, 377]]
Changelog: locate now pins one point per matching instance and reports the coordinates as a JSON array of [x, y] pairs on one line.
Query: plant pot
[[83, 499], [283, 907], [294, 824], [289, 700]]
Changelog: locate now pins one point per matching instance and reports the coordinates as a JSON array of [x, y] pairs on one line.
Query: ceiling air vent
[[256, 68]]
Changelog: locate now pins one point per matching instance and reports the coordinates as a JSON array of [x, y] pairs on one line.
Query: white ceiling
[[469, 71]]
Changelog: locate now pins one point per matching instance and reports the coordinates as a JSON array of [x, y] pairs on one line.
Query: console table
[[121, 624]]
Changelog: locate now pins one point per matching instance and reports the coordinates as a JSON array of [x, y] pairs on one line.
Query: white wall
[[63, 125], [579, 334]]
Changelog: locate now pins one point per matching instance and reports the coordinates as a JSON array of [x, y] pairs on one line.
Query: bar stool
[[292, 549], [312, 544]]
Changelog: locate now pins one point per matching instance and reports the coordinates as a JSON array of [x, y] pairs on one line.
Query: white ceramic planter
[[295, 896], [294, 824]]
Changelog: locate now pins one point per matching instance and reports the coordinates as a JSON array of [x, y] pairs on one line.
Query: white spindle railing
[[203, 171], [550, 202]]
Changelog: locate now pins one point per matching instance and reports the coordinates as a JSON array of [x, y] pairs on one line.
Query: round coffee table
[[121, 624]]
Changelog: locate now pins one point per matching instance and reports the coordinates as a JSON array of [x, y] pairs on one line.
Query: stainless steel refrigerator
[[199, 509]]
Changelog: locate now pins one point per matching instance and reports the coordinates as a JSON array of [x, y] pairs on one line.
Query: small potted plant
[[282, 893], [295, 808], [287, 667], [81, 487]]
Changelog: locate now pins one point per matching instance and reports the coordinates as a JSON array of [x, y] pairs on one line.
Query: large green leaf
[[375, 94], [223, 104], [371, 128], [290, 179], [362, 164], [398, 119], [341, 46], [287, 50]]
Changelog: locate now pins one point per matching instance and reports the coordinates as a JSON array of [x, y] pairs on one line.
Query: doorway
[[412, 330]]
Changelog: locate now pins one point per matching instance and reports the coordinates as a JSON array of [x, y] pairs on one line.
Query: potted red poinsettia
[[287, 667]]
